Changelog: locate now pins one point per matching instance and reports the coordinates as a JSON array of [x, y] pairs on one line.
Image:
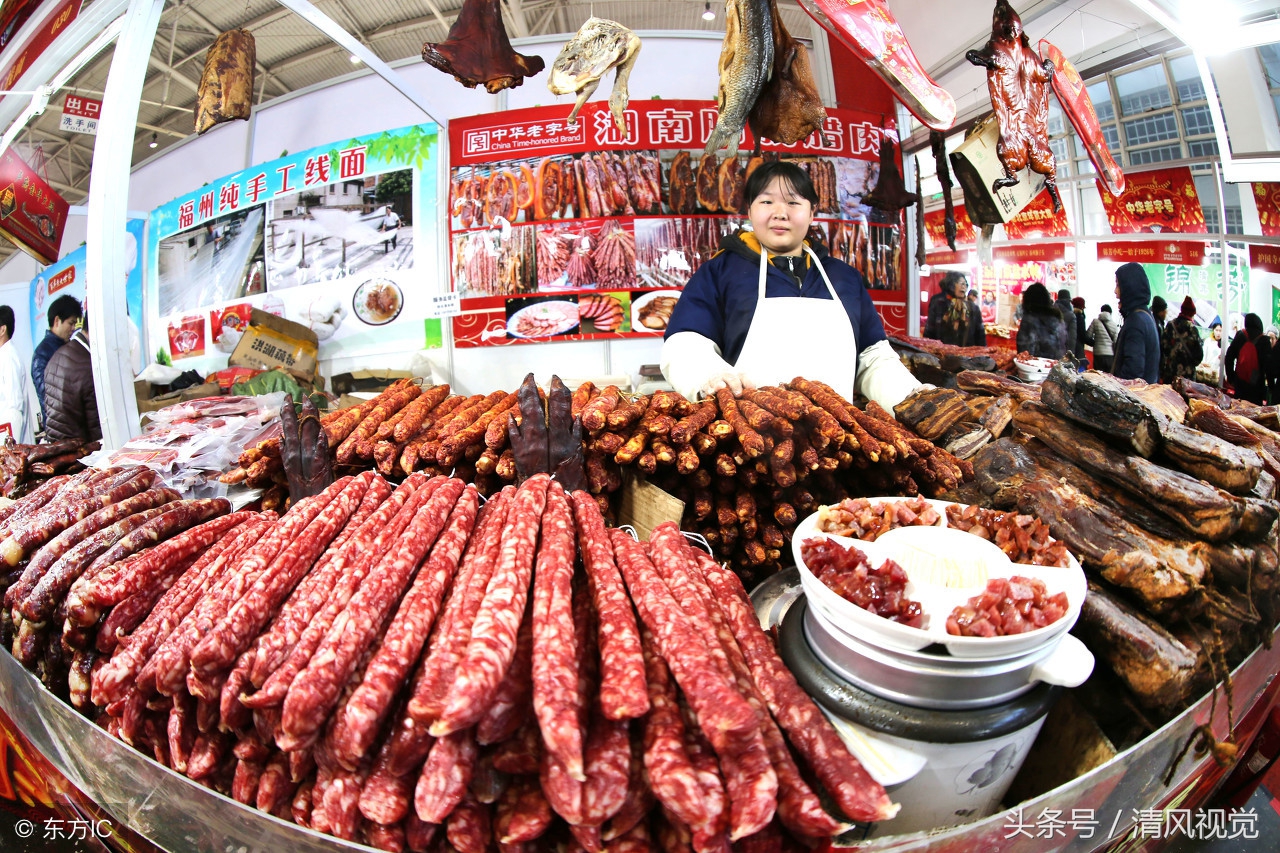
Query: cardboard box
[[270, 342], [195, 392], [976, 167], [366, 380]]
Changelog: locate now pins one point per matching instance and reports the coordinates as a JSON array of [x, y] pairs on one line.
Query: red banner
[[935, 228], [1039, 252], [1265, 258], [1037, 219], [1165, 252], [1156, 201], [1267, 198], [960, 256], [32, 215], [545, 131], [53, 27]]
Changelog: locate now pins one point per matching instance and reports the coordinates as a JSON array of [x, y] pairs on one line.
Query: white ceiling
[[292, 55]]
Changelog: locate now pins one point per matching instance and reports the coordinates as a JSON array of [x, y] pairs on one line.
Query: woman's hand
[[732, 380]]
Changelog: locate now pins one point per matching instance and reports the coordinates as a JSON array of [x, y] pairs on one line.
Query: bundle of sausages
[[392, 664], [25, 466], [748, 469], [97, 527]]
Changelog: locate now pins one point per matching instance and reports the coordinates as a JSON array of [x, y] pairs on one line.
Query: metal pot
[[935, 679]]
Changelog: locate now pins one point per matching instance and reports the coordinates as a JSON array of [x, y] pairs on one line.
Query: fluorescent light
[[355, 60], [154, 141], [707, 14]]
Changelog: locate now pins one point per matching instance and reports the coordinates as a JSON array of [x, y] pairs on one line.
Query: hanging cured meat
[[746, 60], [479, 52], [1074, 97], [548, 188], [730, 184], [1018, 81], [789, 107], [890, 193], [226, 86], [598, 46], [681, 192], [938, 143], [706, 182], [868, 28]]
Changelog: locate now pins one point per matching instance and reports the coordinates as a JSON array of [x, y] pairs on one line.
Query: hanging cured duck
[[789, 108], [890, 192], [478, 51], [598, 46], [1018, 81], [746, 61]]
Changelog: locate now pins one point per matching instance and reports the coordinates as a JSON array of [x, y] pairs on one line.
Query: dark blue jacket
[[720, 299], [1138, 345], [48, 345]]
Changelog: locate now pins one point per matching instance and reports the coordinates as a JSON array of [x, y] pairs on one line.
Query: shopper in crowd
[[390, 225], [1247, 360], [1083, 337], [1103, 332], [13, 383], [977, 329], [1184, 349], [1273, 366], [1159, 312], [949, 312], [1137, 354], [71, 409], [1212, 358], [1043, 330], [64, 315], [1068, 317], [769, 308]]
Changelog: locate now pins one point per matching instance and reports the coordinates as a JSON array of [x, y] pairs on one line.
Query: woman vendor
[[760, 311]]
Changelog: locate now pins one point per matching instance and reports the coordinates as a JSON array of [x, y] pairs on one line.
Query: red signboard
[[960, 256], [1156, 201], [63, 279], [32, 215], [566, 231], [51, 29], [935, 228], [1043, 252], [1038, 219], [1266, 258], [1267, 199], [1162, 252]]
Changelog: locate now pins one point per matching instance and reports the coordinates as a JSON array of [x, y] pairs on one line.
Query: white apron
[[800, 336]]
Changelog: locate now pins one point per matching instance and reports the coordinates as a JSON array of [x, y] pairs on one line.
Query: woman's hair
[[1252, 325], [793, 178], [1036, 297], [951, 282]]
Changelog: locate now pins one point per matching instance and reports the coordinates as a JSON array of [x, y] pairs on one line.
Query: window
[[1100, 94], [1159, 154], [1203, 147], [1270, 56], [1143, 90], [1150, 129], [1197, 121], [1186, 79], [1208, 194]]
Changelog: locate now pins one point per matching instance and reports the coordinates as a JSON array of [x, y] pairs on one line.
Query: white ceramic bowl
[[916, 545]]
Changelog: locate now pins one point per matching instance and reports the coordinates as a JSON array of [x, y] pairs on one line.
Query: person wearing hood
[[1247, 360], [1083, 337], [949, 311], [768, 308], [1137, 353], [1063, 304], [1103, 332], [1043, 330], [1184, 350]]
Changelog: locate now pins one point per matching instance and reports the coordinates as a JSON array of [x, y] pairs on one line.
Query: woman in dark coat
[[1247, 360], [1043, 331], [949, 318]]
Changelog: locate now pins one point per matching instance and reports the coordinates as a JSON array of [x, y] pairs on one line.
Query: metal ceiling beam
[[160, 65], [326, 25], [435, 10], [516, 9], [204, 22]]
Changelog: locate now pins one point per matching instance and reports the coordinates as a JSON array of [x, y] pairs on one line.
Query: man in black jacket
[[64, 313], [1138, 345]]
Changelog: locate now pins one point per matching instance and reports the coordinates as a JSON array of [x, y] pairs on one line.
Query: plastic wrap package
[[190, 443]]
